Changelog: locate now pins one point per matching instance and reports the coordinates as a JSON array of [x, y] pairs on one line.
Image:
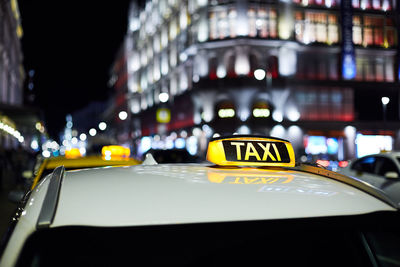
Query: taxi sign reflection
[[243, 177]]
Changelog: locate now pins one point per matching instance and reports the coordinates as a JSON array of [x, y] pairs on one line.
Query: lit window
[[320, 27], [333, 29], [251, 16], [262, 22], [133, 62], [202, 34], [133, 83], [332, 104], [164, 63], [379, 70], [357, 33], [173, 29], [384, 5], [143, 81], [390, 33], [369, 72], [143, 57], [223, 25], [164, 37], [272, 24], [232, 23], [327, 3], [150, 73], [359, 68], [377, 31], [173, 85], [156, 68], [389, 69], [375, 68], [183, 18], [149, 51], [219, 25], [173, 56], [156, 43], [213, 25]]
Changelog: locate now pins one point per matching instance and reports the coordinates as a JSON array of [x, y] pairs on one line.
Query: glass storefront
[[375, 68], [372, 144], [322, 104]]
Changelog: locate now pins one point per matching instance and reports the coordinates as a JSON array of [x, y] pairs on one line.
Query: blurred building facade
[[310, 71], [11, 72]]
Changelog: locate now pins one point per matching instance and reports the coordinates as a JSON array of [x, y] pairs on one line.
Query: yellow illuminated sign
[[72, 153], [245, 150], [115, 151], [163, 115]]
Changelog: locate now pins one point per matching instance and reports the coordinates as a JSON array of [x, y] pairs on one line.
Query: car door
[[365, 169], [390, 185]]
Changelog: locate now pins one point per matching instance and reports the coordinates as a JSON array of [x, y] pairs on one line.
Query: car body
[[382, 170], [205, 214]]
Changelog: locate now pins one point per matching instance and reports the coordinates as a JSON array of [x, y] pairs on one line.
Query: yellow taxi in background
[[111, 156]]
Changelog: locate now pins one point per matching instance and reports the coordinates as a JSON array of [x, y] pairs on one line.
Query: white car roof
[[176, 194], [187, 193]]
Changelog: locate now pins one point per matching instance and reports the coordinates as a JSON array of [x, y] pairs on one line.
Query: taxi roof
[[91, 161], [193, 193], [88, 161]]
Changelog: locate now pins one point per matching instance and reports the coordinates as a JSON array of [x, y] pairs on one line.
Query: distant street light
[[92, 132], [123, 115], [102, 125], [163, 97], [259, 74], [82, 137], [385, 100]]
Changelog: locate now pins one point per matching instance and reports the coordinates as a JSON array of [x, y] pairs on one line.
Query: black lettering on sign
[[256, 151]]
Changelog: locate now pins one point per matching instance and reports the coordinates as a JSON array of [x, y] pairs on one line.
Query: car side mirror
[[391, 175], [15, 196]]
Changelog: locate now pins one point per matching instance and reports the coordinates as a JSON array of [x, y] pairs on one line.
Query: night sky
[[71, 46]]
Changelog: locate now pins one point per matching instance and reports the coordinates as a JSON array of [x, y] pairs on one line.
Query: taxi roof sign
[[250, 150], [115, 151]]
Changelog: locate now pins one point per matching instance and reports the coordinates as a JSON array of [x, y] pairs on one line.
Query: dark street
[[6, 207]]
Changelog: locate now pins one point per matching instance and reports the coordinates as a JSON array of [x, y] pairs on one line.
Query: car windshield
[[339, 241], [173, 156]]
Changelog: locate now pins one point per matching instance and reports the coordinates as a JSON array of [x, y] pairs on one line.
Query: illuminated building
[[294, 69], [11, 73]]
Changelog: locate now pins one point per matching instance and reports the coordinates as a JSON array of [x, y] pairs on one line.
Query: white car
[[380, 170], [250, 206]]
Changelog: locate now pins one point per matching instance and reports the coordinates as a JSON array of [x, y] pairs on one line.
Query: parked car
[[250, 206], [380, 170], [73, 160]]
